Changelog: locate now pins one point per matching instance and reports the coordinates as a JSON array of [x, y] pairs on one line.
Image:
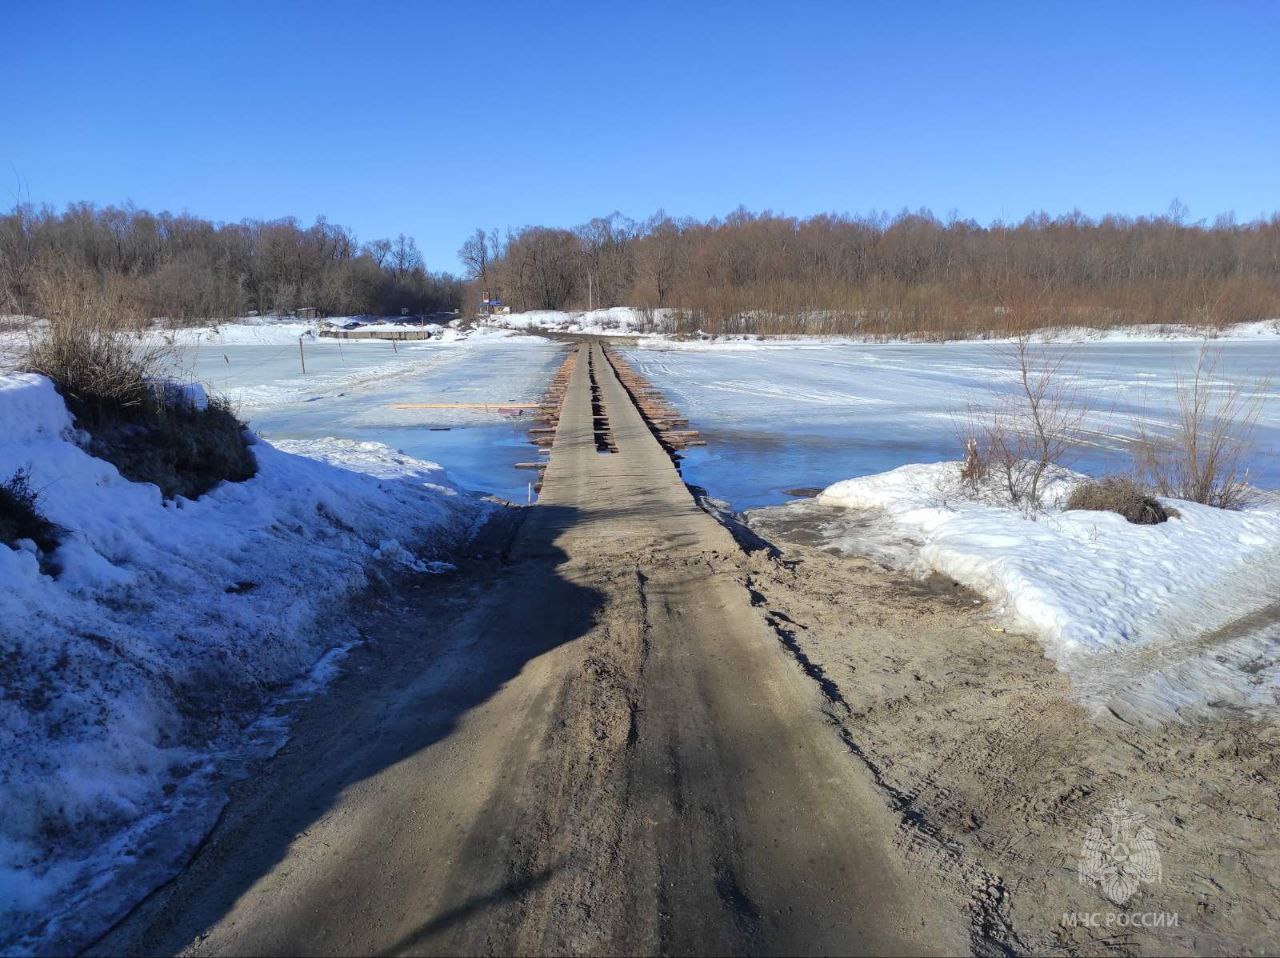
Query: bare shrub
[[975, 468], [1121, 495], [1023, 437], [1205, 458]]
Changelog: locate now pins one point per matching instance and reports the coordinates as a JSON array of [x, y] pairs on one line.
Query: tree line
[[747, 272], [909, 273], [184, 267]]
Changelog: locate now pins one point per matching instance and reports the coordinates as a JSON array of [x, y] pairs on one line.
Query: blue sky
[[433, 119]]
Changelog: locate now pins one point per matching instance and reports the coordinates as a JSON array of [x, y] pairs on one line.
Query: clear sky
[[433, 119]]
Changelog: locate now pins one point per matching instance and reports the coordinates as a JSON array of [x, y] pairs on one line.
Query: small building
[[307, 312]]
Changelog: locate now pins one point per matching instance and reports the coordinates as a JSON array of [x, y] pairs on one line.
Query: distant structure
[[491, 305], [307, 312]]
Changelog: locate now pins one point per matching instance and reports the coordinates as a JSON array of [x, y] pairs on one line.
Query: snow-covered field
[[1178, 618], [615, 321], [783, 416]]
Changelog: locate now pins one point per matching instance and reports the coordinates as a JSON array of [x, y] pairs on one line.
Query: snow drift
[[166, 626], [1154, 619]]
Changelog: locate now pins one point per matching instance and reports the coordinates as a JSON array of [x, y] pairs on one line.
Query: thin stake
[[302, 358]]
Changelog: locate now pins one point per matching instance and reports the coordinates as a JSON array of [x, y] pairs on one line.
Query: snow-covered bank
[[657, 328], [1263, 330], [168, 625], [1147, 620], [614, 321]]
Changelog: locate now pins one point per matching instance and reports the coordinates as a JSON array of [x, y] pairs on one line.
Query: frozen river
[[350, 388], [781, 419]]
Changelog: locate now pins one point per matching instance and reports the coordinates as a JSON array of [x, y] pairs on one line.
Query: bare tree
[[474, 255], [658, 258], [378, 250], [545, 267], [405, 256]]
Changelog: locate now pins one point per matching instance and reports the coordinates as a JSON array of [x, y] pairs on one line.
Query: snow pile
[[1266, 329], [159, 627], [286, 331], [1152, 620]]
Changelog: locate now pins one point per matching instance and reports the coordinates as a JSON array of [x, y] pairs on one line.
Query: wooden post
[[302, 358]]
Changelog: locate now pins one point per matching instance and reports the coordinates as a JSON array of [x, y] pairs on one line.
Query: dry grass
[[1121, 495], [20, 516], [184, 449], [112, 378], [91, 345]]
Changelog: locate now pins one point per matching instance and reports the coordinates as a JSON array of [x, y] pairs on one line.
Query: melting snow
[[170, 622], [1150, 621]]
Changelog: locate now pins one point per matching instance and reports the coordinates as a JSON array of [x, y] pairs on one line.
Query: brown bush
[[1121, 495], [90, 344]]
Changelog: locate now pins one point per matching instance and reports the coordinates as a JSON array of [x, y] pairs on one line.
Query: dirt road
[[589, 740]]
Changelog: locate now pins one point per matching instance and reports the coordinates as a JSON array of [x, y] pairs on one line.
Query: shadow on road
[[442, 647], [511, 891]]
